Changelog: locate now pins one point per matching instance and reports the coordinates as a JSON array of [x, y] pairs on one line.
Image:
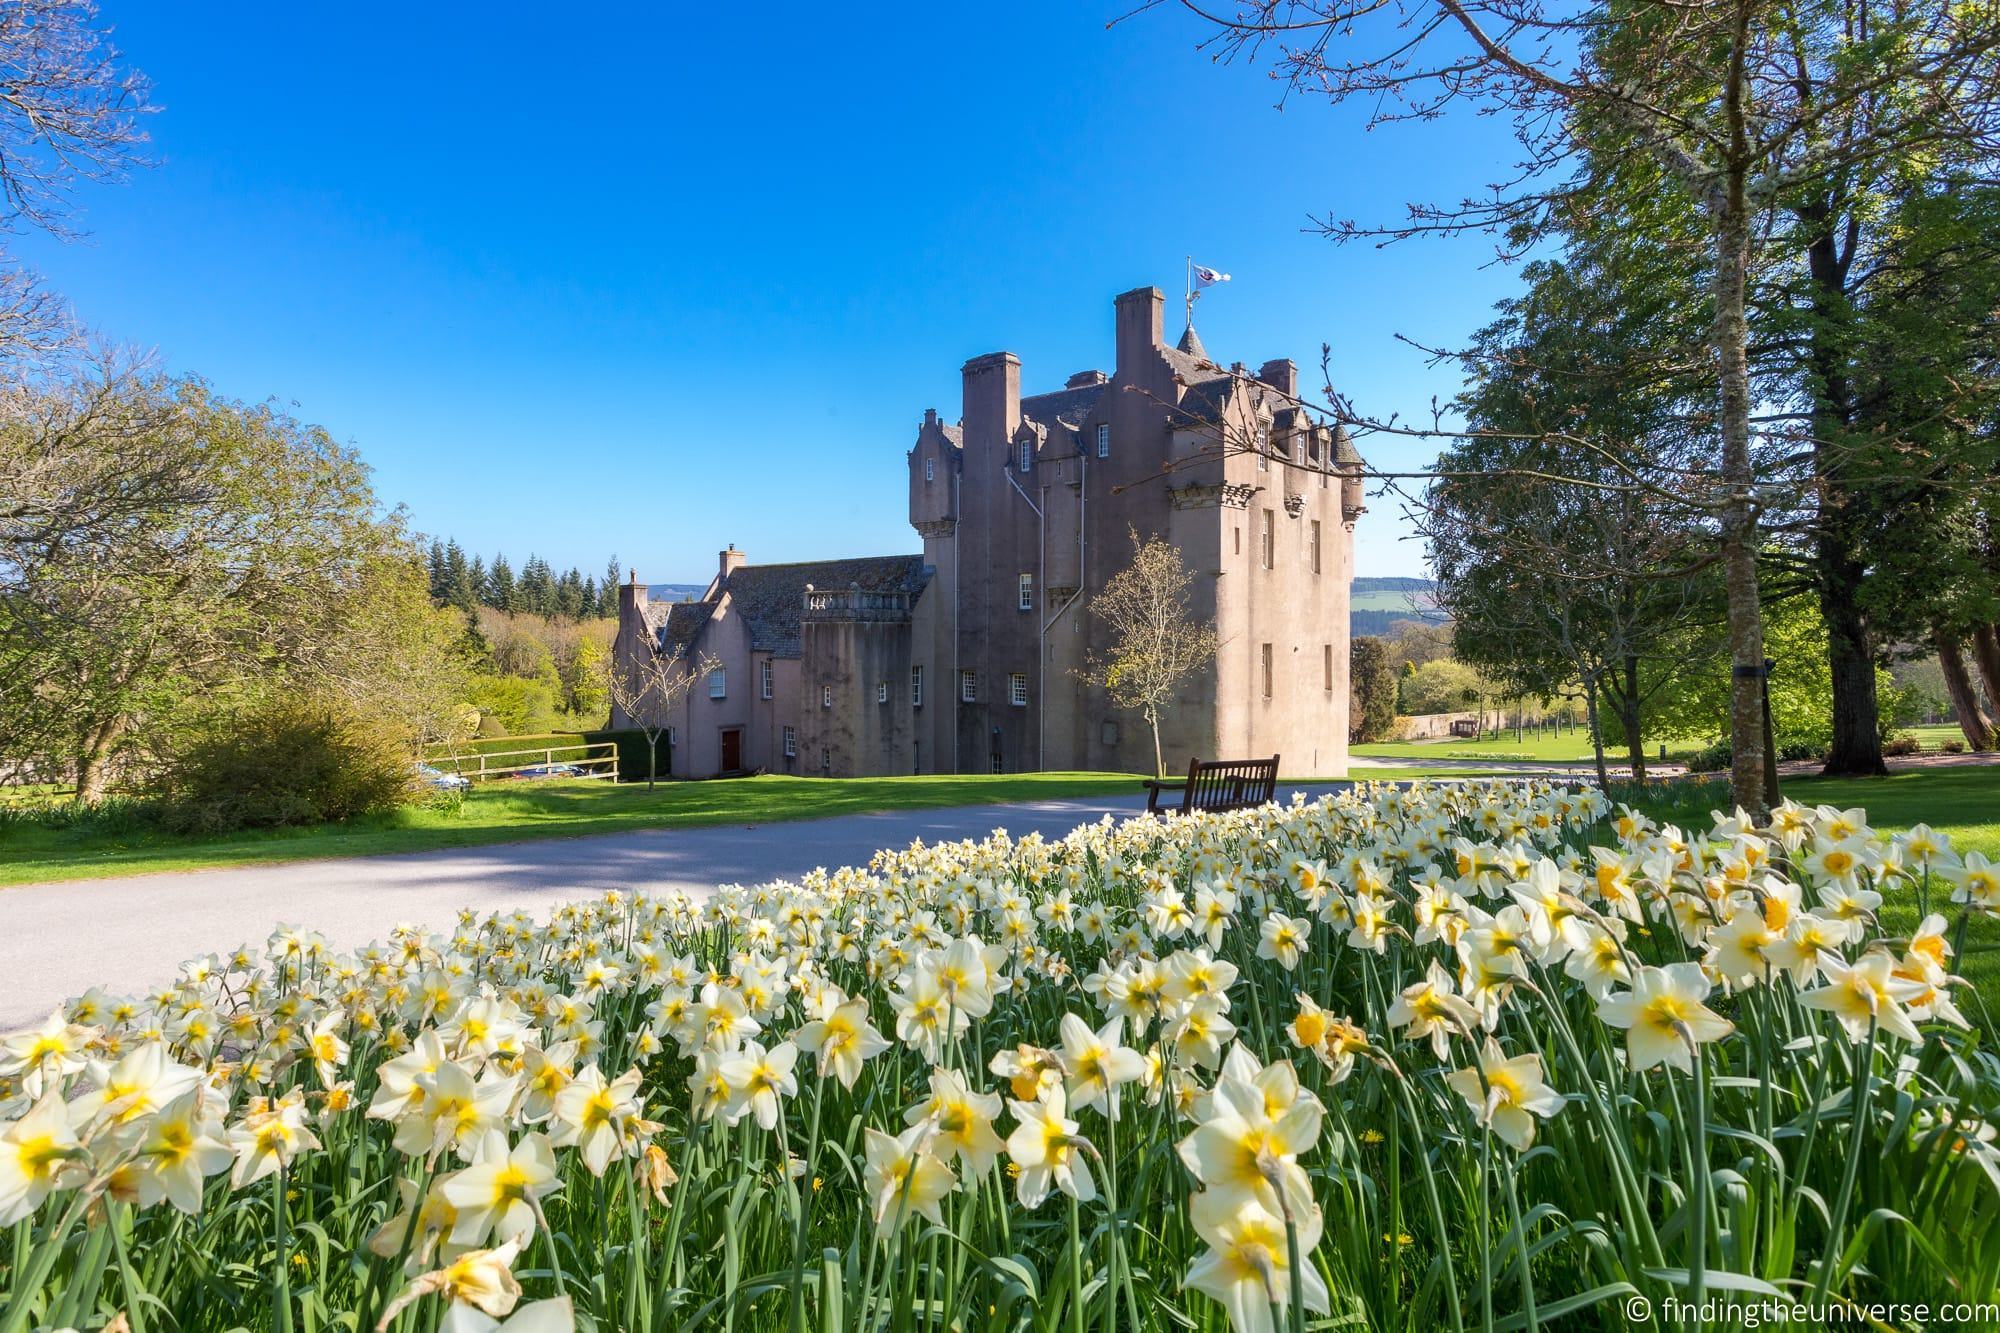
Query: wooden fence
[[597, 759]]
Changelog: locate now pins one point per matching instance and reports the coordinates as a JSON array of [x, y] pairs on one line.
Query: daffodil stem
[[281, 1290], [1436, 1206], [1297, 1313], [1865, 1054], [802, 1204], [1698, 1248], [1075, 1266]]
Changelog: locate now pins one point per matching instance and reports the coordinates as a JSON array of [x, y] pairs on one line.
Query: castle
[[968, 658]]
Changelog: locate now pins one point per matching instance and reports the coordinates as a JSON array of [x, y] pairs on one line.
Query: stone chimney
[[1139, 325], [728, 562], [1083, 379], [631, 596], [992, 401], [1282, 375]]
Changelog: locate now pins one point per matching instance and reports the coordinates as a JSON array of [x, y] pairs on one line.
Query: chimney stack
[[1282, 375], [1138, 325], [729, 561], [631, 596], [992, 402]]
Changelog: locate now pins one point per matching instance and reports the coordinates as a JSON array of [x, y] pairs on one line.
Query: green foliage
[[1373, 690], [1439, 686], [290, 762]]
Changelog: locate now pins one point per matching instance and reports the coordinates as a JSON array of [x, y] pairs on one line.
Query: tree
[[164, 552], [1718, 109], [70, 115], [1155, 642], [1372, 684], [648, 686], [392, 655]]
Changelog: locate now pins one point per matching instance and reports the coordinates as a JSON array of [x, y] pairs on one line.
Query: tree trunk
[[652, 758], [1986, 655], [93, 772], [1857, 719], [1972, 719], [1628, 717], [1596, 731], [1159, 763], [1730, 210]]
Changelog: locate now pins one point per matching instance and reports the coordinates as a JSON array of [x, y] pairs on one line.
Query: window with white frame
[[1315, 546], [1027, 455], [1263, 447], [1270, 535], [764, 679], [882, 692], [968, 686], [930, 470], [916, 687], [826, 696], [791, 742], [1017, 689], [718, 684], [1104, 441], [1027, 592]]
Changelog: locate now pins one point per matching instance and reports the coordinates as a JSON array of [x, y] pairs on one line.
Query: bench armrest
[[1158, 787]]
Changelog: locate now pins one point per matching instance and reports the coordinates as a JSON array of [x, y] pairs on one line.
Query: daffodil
[[35, 1152], [1097, 1063], [1866, 995], [844, 1040], [1664, 1017], [1047, 1148], [501, 1192], [961, 1120], [1506, 1093], [596, 1118], [1247, 1265], [266, 1141], [903, 1178], [759, 1080], [1283, 938]]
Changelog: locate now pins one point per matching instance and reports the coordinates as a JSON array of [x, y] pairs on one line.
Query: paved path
[[58, 940]]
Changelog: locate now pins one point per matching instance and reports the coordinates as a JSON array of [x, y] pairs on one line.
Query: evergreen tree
[[569, 595], [461, 580], [502, 593], [592, 607], [613, 577], [440, 578]]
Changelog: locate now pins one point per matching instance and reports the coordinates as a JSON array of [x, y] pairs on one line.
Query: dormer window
[[1027, 455]]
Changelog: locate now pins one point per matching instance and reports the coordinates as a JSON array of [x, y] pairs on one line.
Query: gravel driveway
[[58, 940]]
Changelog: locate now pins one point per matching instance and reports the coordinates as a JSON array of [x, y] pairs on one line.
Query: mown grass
[[1569, 747], [510, 812]]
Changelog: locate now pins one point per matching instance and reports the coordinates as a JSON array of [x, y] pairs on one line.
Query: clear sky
[[583, 282]]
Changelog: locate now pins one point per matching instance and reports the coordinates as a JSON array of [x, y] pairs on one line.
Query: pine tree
[[613, 576], [439, 576], [461, 580], [592, 608], [502, 594]]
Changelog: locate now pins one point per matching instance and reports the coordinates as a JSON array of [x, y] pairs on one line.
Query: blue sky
[[649, 283]]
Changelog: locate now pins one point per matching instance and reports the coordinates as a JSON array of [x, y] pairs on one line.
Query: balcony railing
[[857, 604]]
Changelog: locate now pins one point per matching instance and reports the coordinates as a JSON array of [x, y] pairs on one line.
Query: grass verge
[[513, 812]]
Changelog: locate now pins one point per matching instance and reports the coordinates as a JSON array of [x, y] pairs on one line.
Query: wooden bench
[[1219, 784]]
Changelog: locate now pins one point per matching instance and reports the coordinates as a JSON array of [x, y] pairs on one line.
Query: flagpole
[[1190, 291]]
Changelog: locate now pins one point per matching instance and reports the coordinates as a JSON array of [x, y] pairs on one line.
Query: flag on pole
[[1207, 277]]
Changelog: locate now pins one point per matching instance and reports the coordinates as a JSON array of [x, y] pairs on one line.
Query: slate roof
[[772, 598], [1068, 406], [1191, 344], [676, 624]]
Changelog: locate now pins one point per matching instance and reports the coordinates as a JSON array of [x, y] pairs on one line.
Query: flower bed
[[1477, 1055]]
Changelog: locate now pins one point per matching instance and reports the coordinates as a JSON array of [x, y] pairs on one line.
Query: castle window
[[1326, 659], [930, 470], [764, 679], [1017, 690], [916, 687], [791, 742], [1027, 455], [826, 696], [718, 684], [825, 760], [1270, 539], [1315, 547], [1263, 447], [882, 692], [1301, 450], [968, 686], [1239, 539], [1104, 441], [1266, 655], [1027, 592]]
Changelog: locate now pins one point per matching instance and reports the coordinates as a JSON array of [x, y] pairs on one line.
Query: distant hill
[[1377, 604], [675, 592]]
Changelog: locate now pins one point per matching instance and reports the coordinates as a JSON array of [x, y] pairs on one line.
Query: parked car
[[443, 781], [548, 771]]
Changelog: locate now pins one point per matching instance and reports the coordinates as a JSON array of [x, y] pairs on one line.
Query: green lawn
[[510, 812], [1570, 746]]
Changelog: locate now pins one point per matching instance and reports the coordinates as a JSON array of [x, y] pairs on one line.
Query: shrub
[[290, 761], [1952, 746], [1715, 756], [1900, 744]]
